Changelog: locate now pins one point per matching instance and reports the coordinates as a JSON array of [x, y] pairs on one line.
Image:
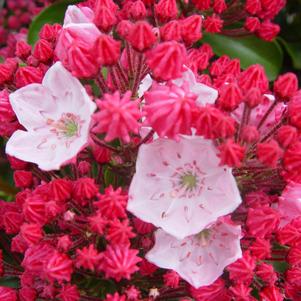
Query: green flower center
[[71, 128], [67, 127], [189, 180]]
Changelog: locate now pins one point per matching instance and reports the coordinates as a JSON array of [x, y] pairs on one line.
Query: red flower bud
[[105, 18], [254, 77], [28, 75], [107, 50], [286, 86], [50, 32], [287, 135], [166, 60], [268, 30], [23, 50], [231, 153], [213, 24], [43, 51], [201, 4], [31, 233], [253, 6], [191, 29], [166, 10], [171, 31], [23, 178], [219, 6], [253, 97], [141, 36], [137, 10], [252, 24], [230, 97], [60, 189], [250, 134], [123, 28], [269, 153]]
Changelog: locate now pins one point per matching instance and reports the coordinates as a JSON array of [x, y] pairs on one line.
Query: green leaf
[[9, 282], [52, 14], [294, 51], [250, 50]]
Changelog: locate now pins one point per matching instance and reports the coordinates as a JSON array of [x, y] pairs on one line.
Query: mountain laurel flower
[[181, 191], [56, 115], [118, 117], [199, 259]]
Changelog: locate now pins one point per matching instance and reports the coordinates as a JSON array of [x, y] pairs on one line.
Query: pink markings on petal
[[57, 119], [181, 189], [199, 259]]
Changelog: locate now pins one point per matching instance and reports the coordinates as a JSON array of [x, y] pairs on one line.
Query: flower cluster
[[148, 168]]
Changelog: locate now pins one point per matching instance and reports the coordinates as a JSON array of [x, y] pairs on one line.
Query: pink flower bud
[[43, 51], [107, 50], [141, 36]]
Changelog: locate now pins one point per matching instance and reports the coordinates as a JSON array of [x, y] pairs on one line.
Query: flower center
[[188, 181], [68, 126], [203, 237]]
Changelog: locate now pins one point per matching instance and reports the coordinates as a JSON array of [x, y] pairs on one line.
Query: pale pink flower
[[180, 187], [290, 203], [56, 115], [199, 259], [78, 33]]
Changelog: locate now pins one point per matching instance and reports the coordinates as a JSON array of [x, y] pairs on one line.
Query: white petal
[[74, 14], [30, 102], [67, 89], [206, 95]]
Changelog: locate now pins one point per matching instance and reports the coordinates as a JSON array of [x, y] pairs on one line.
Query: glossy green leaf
[[250, 50], [51, 14], [294, 51]]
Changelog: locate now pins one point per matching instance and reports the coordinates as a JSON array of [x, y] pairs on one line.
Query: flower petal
[[198, 261], [75, 14], [30, 102], [67, 89]]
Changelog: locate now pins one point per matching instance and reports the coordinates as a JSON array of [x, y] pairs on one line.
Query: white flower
[[180, 187], [56, 115]]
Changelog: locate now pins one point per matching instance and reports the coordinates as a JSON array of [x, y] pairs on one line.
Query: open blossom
[[56, 115], [199, 259], [184, 189]]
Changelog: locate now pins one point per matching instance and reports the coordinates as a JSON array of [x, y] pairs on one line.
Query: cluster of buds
[[149, 169], [15, 17]]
